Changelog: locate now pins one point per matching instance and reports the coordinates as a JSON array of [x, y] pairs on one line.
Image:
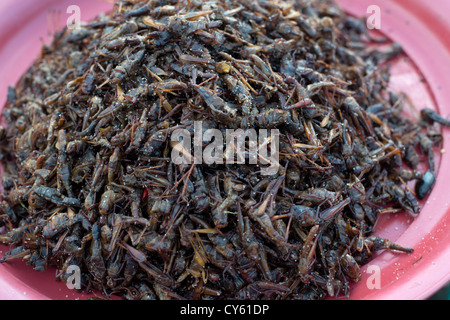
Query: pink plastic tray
[[423, 31]]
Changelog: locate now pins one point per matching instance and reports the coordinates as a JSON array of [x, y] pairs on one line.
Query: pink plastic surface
[[424, 32]]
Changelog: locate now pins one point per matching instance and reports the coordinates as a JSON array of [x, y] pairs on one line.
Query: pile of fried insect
[[86, 151]]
